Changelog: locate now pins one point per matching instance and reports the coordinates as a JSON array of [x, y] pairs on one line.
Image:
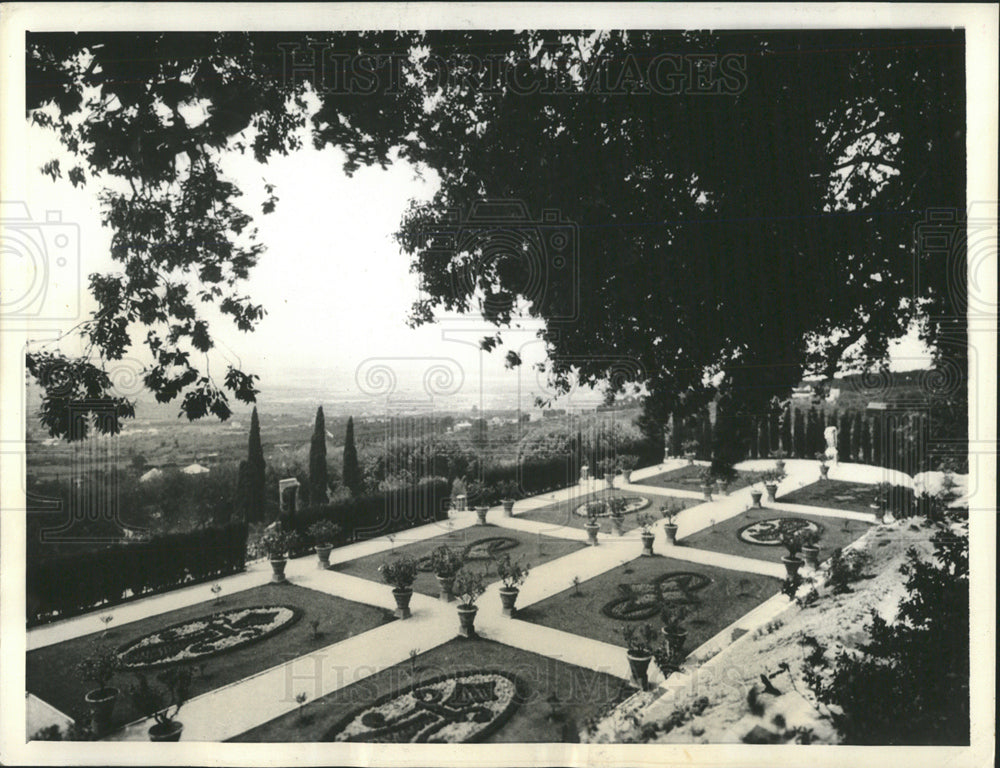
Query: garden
[[757, 533], [692, 477], [634, 593], [479, 546], [837, 494], [219, 641], [573, 512], [463, 690]]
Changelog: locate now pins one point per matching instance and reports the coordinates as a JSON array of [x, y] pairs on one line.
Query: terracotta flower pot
[[639, 666], [168, 731], [402, 601], [756, 496], [619, 524], [724, 489], [508, 596], [792, 565], [824, 470], [467, 620], [675, 641], [481, 514], [445, 584], [592, 529], [772, 491], [278, 570], [508, 507], [647, 544], [780, 465], [707, 490], [323, 555], [811, 556], [671, 530], [102, 704]]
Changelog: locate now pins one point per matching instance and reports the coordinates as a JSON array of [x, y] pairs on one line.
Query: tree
[[352, 471], [844, 437], [257, 472], [799, 435], [856, 436], [318, 480], [798, 215], [242, 500]]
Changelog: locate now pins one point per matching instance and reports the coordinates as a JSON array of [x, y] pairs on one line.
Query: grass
[[530, 548], [51, 671], [563, 514], [582, 693], [724, 536], [688, 478], [838, 494], [726, 597]]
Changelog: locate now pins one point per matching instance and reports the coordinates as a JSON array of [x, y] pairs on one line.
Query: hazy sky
[[333, 281]]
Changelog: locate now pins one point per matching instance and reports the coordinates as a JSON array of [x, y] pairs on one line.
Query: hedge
[[67, 584]]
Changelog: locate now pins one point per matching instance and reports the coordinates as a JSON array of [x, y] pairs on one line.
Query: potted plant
[[99, 667], [445, 563], [791, 538], [824, 468], [156, 703], [276, 543], [690, 448], [771, 480], [323, 533], [626, 463], [779, 457], [509, 491], [400, 572], [673, 616], [594, 509], [669, 512], [707, 482], [608, 467], [756, 481], [469, 587], [646, 524], [617, 508], [724, 473], [810, 547], [639, 642], [881, 502], [512, 574]]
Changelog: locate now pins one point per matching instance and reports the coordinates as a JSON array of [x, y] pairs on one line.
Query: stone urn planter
[[780, 465], [508, 596], [402, 597], [102, 704], [508, 507], [639, 666], [467, 620], [707, 491], [824, 471], [481, 514], [278, 570], [756, 496], [323, 555], [619, 524], [723, 488], [647, 543], [772, 491], [879, 513], [168, 731], [445, 583], [811, 555], [675, 641], [792, 565], [671, 530], [592, 529]]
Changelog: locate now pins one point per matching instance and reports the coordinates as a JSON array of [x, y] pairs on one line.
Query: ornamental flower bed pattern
[[643, 600], [207, 636], [447, 709], [768, 532], [632, 504], [481, 549]]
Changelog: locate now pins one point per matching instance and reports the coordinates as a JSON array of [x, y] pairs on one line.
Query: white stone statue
[[830, 433]]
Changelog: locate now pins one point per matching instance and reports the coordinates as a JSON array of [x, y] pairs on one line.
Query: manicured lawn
[[720, 597], [688, 478], [530, 548], [583, 693], [563, 513], [724, 536], [51, 671], [838, 494]]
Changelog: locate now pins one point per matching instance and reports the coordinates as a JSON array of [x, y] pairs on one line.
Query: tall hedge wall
[[71, 583]]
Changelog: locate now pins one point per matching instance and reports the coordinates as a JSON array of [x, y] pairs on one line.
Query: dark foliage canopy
[[757, 233]]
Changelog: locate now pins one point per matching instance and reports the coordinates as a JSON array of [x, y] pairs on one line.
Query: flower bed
[[767, 533], [642, 600], [632, 504], [207, 636], [446, 709], [482, 549]]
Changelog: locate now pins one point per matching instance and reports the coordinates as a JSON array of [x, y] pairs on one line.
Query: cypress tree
[[799, 434], [844, 437], [242, 501], [786, 430], [352, 472], [257, 469], [856, 454], [866, 441], [318, 480]]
